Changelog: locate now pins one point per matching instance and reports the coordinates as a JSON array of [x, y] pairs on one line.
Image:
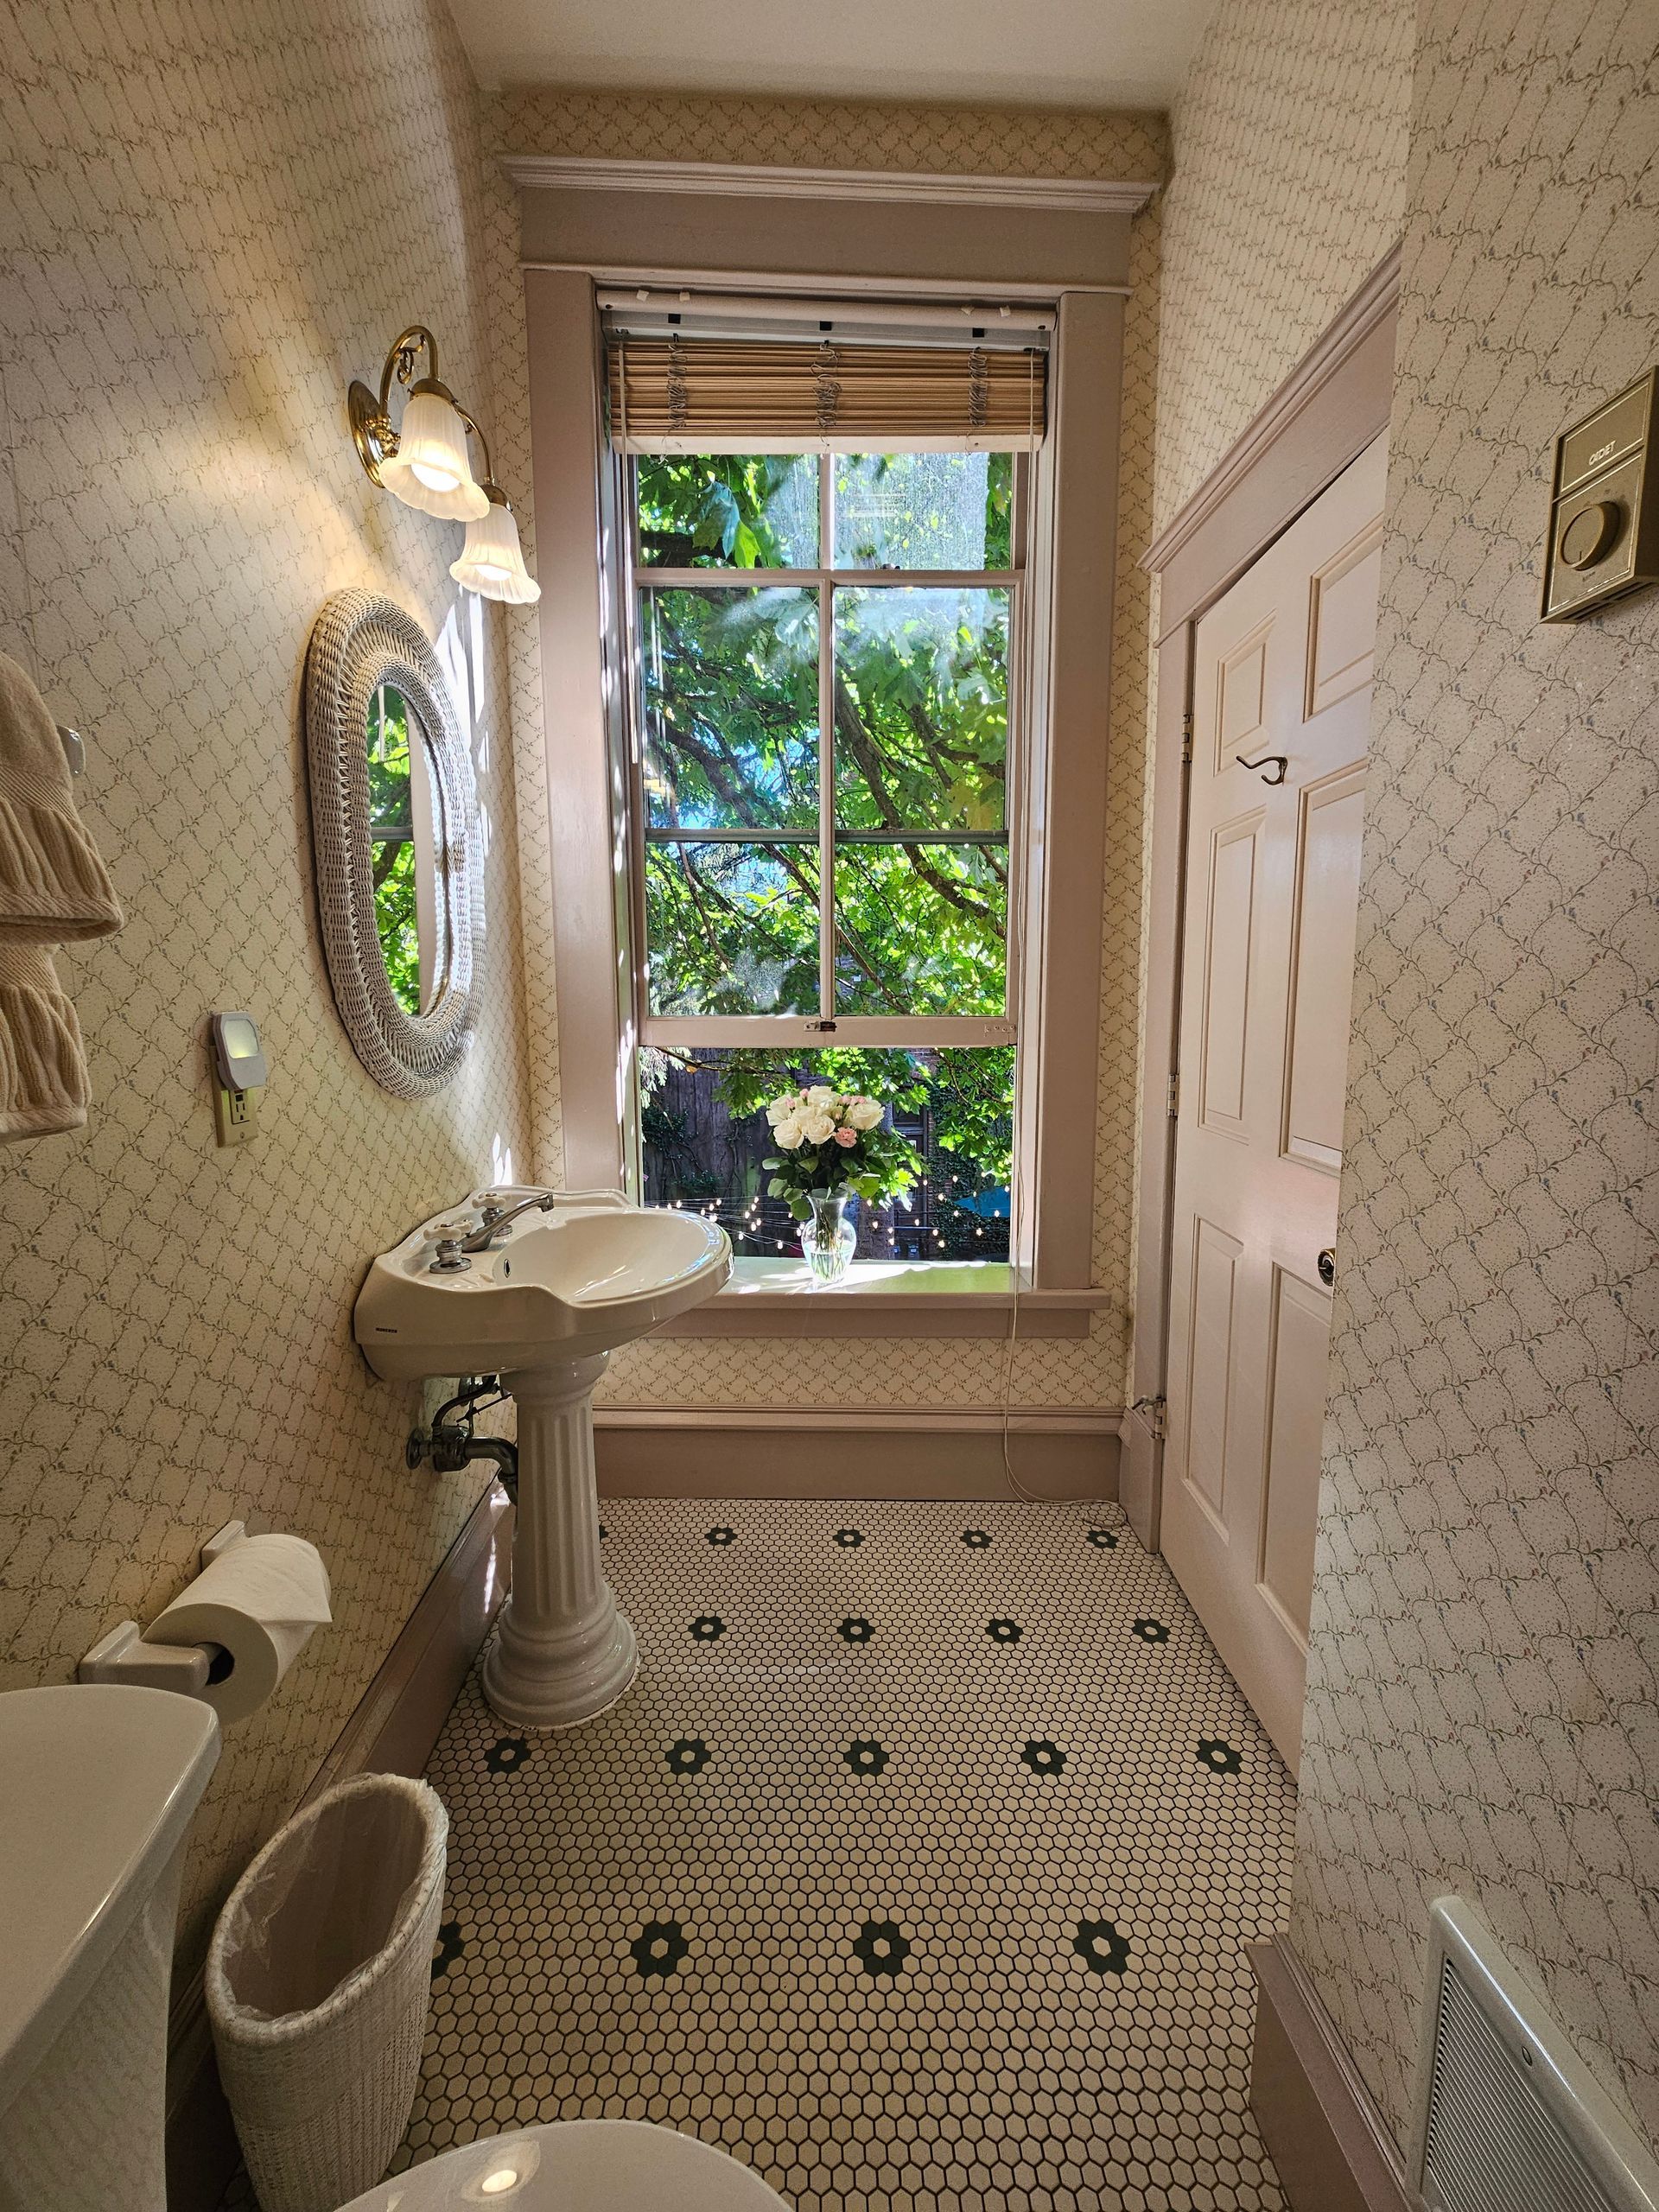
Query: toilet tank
[[97, 1782]]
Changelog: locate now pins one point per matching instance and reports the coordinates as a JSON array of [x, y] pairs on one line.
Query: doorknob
[[1328, 1265], [1268, 760]]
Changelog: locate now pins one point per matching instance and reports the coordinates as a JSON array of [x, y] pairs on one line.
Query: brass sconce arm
[[373, 432], [487, 480]]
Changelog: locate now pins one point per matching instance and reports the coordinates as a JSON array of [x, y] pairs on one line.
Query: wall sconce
[[424, 461]]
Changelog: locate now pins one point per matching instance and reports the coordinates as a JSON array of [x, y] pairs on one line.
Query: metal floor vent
[[1509, 2120]]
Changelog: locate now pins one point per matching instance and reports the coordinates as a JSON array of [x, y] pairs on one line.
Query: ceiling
[[1093, 54]]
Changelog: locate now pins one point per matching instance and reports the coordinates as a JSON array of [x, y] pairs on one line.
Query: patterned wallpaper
[[1072, 1373], [1484, 1673], [1288, 186], [216, 214], [834, 134]]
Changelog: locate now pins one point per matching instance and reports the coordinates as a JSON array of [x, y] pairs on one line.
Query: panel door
[[1282, 679]]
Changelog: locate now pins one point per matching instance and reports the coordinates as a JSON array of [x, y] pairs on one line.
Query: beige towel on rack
[[43, 1087], [54, 889], [53, 886]]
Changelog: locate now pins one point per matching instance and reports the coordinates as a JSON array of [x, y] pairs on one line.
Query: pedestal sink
[[543, 1307]]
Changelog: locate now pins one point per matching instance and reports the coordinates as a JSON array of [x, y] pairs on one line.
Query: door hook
[[1269, 760]]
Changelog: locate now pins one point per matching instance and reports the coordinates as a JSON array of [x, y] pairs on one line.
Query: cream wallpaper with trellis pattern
[[214, 216], [1131, 146], [1072, 1373], [1288, 183], [1483, 1682]]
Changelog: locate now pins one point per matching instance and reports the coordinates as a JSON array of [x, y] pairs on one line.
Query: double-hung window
[[828, 663]]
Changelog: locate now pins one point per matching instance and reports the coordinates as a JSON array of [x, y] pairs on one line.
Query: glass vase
[[829, 1239]]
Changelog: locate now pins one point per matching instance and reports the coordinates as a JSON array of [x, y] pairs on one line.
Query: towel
[[43, 1087], [53, 886]]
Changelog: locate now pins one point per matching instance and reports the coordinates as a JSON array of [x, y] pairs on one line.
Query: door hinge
[[1174, 1093], [1186, 738], [1155, 1411]]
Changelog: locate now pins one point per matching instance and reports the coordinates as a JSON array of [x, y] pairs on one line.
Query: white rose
[[863, 1113], [784, 1109], [820, 1095], [788, 1134], [817, 1128]]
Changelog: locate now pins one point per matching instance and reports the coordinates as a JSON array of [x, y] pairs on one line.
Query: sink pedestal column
[[561, 1651]]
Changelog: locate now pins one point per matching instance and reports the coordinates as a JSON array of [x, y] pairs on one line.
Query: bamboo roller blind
[[714, 395]]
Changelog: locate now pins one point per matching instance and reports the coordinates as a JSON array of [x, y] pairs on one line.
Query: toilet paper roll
[[259, 1602]]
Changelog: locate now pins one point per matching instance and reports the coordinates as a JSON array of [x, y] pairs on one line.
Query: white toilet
[[97, 1787]]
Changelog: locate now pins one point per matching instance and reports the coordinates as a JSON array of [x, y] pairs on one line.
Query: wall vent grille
[[1491, 2144], [1509, 2118]]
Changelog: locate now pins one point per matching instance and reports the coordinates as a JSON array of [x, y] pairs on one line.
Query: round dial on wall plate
[[1591, 533]]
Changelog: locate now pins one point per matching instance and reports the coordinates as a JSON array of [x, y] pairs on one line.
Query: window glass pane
[[391, 838], [731, 928], [729, 683], [921, 929], [728, 510], [924, 509], [921, 708], [705, 1135]]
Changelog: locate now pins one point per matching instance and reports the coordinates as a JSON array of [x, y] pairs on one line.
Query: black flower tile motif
[[854, 1629], [1219, 1758], [506, 1755], [823, 1799], [1103, 1539], [658, 1949], [707, 1628], [880, 1949], [849, 1539], [1002, 1630], [448, 1948], [603, 1532], [722, 1536], [1151, 1631], [1101, 1948]]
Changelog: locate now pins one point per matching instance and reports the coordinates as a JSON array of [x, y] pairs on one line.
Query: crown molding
[[745, 180]]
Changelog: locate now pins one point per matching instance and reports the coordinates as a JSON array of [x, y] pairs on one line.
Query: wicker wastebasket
[[319, 1978]]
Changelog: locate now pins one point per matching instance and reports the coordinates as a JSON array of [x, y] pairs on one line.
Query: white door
[[1282, 679]]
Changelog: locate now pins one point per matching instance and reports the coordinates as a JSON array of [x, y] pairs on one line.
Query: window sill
[[885, 1298]]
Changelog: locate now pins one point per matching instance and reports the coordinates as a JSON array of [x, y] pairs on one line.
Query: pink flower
[[847, 1137]]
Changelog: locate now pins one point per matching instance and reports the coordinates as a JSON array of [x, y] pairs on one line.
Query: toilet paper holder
[[123, 1656]]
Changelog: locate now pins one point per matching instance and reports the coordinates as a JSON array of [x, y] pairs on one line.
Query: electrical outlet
[[236, 1114]]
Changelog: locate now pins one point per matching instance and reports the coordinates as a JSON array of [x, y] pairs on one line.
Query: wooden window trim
[[587, 585]]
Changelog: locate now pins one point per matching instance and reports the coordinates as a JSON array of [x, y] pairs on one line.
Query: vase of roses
[[833, 1146]]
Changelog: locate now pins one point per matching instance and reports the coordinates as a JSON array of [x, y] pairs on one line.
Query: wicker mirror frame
[[359, 642]]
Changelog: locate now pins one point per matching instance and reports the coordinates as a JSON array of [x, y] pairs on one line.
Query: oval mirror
[[392, 817]]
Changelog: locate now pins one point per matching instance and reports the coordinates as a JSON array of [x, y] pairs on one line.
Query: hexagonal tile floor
[[915, 1870]]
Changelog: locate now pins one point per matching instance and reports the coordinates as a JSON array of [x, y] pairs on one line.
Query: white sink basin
[[591, 1274], [544, 1309]]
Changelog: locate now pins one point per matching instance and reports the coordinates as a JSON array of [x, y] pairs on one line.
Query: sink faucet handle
[[450, 1258], [496, 1219]]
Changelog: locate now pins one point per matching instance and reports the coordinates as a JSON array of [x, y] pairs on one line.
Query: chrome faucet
[[497, 1219], [451, 1257]]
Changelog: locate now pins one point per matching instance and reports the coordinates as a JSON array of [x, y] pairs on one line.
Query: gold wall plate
[[371, 431], [1604, 509]]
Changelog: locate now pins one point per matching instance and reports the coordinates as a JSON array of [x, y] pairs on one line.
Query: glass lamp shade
[[492, 562], [430, 470]]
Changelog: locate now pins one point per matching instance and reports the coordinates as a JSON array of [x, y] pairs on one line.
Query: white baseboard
[[742, 1451]]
